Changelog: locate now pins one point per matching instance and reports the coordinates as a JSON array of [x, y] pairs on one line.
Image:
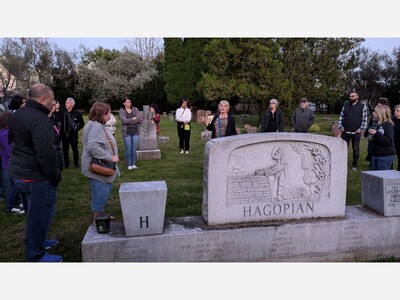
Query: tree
[[367, 77], [27, 61], [15, 59], [153, 91], [147, 48], [244, 68], [183, 66], [297, 65], [391, 77], [331, 60], [64, 75], [110, 76]]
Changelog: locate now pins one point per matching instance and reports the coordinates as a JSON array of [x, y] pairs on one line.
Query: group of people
[[223, 123], [35, 140], [66, 124], [382, 131], [273, 120], [34, 144]]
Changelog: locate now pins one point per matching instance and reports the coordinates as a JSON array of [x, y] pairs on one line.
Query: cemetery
[[267, 197]]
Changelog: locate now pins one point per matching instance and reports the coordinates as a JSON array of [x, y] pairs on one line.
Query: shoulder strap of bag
[[109, 140]]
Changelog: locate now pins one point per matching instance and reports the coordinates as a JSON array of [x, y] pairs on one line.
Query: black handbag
[[103, 167]]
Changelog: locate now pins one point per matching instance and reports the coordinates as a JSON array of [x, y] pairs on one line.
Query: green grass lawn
[[182, 173]]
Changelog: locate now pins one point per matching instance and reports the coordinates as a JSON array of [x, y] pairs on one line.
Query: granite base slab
[[361, 235]]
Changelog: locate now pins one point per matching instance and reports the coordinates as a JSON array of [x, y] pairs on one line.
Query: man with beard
[[352, 121]]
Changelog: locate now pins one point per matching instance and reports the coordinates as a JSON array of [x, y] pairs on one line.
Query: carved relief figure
[[290, 171], [276, 173], [315, 161]]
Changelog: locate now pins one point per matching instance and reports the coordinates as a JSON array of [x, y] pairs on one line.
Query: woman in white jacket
[[183, 117]]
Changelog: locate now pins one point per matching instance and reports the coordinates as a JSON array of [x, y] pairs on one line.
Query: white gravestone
[[148, 145], [143, 207], [274, 176]]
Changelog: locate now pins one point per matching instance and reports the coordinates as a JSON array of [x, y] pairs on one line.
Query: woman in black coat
[[222, 124], [273, 119]]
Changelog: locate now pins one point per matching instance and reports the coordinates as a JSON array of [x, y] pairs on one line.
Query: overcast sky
[[70, 44]]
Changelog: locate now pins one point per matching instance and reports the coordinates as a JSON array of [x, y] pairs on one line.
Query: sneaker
[[354, 168], [130, 168], [49, 243], [16, 211], [187, 152], [21, 206], [181, 152], [133, 167], [49, 258]]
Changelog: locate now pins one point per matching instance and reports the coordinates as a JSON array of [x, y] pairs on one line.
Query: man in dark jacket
[[352, 121], [71, 123], [34, 169], [302, 117]]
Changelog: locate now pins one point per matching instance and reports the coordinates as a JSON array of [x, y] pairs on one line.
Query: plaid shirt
[[364, 120]]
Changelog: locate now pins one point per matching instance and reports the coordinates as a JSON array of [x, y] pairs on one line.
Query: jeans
[[14, 196], [40, 209], [355, 143], [100, 193], [131, 142], [4, 184], [382, 162]]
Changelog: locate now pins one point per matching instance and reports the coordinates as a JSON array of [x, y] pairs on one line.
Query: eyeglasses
[[272, 103]]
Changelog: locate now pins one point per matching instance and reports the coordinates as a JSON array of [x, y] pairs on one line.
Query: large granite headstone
[[274, 176], [148, 144]]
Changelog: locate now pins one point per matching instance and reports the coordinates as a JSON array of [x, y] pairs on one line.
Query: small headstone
[[243, 117], [251, 129], [163, 138], [335, 130], [205, 135], [200, 113], [380, 191], [143, 207], [246, 126]]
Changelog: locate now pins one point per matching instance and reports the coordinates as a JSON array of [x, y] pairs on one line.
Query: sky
[[70, 44]]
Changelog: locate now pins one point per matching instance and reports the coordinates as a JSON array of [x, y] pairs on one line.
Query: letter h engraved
[[146, 221]]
